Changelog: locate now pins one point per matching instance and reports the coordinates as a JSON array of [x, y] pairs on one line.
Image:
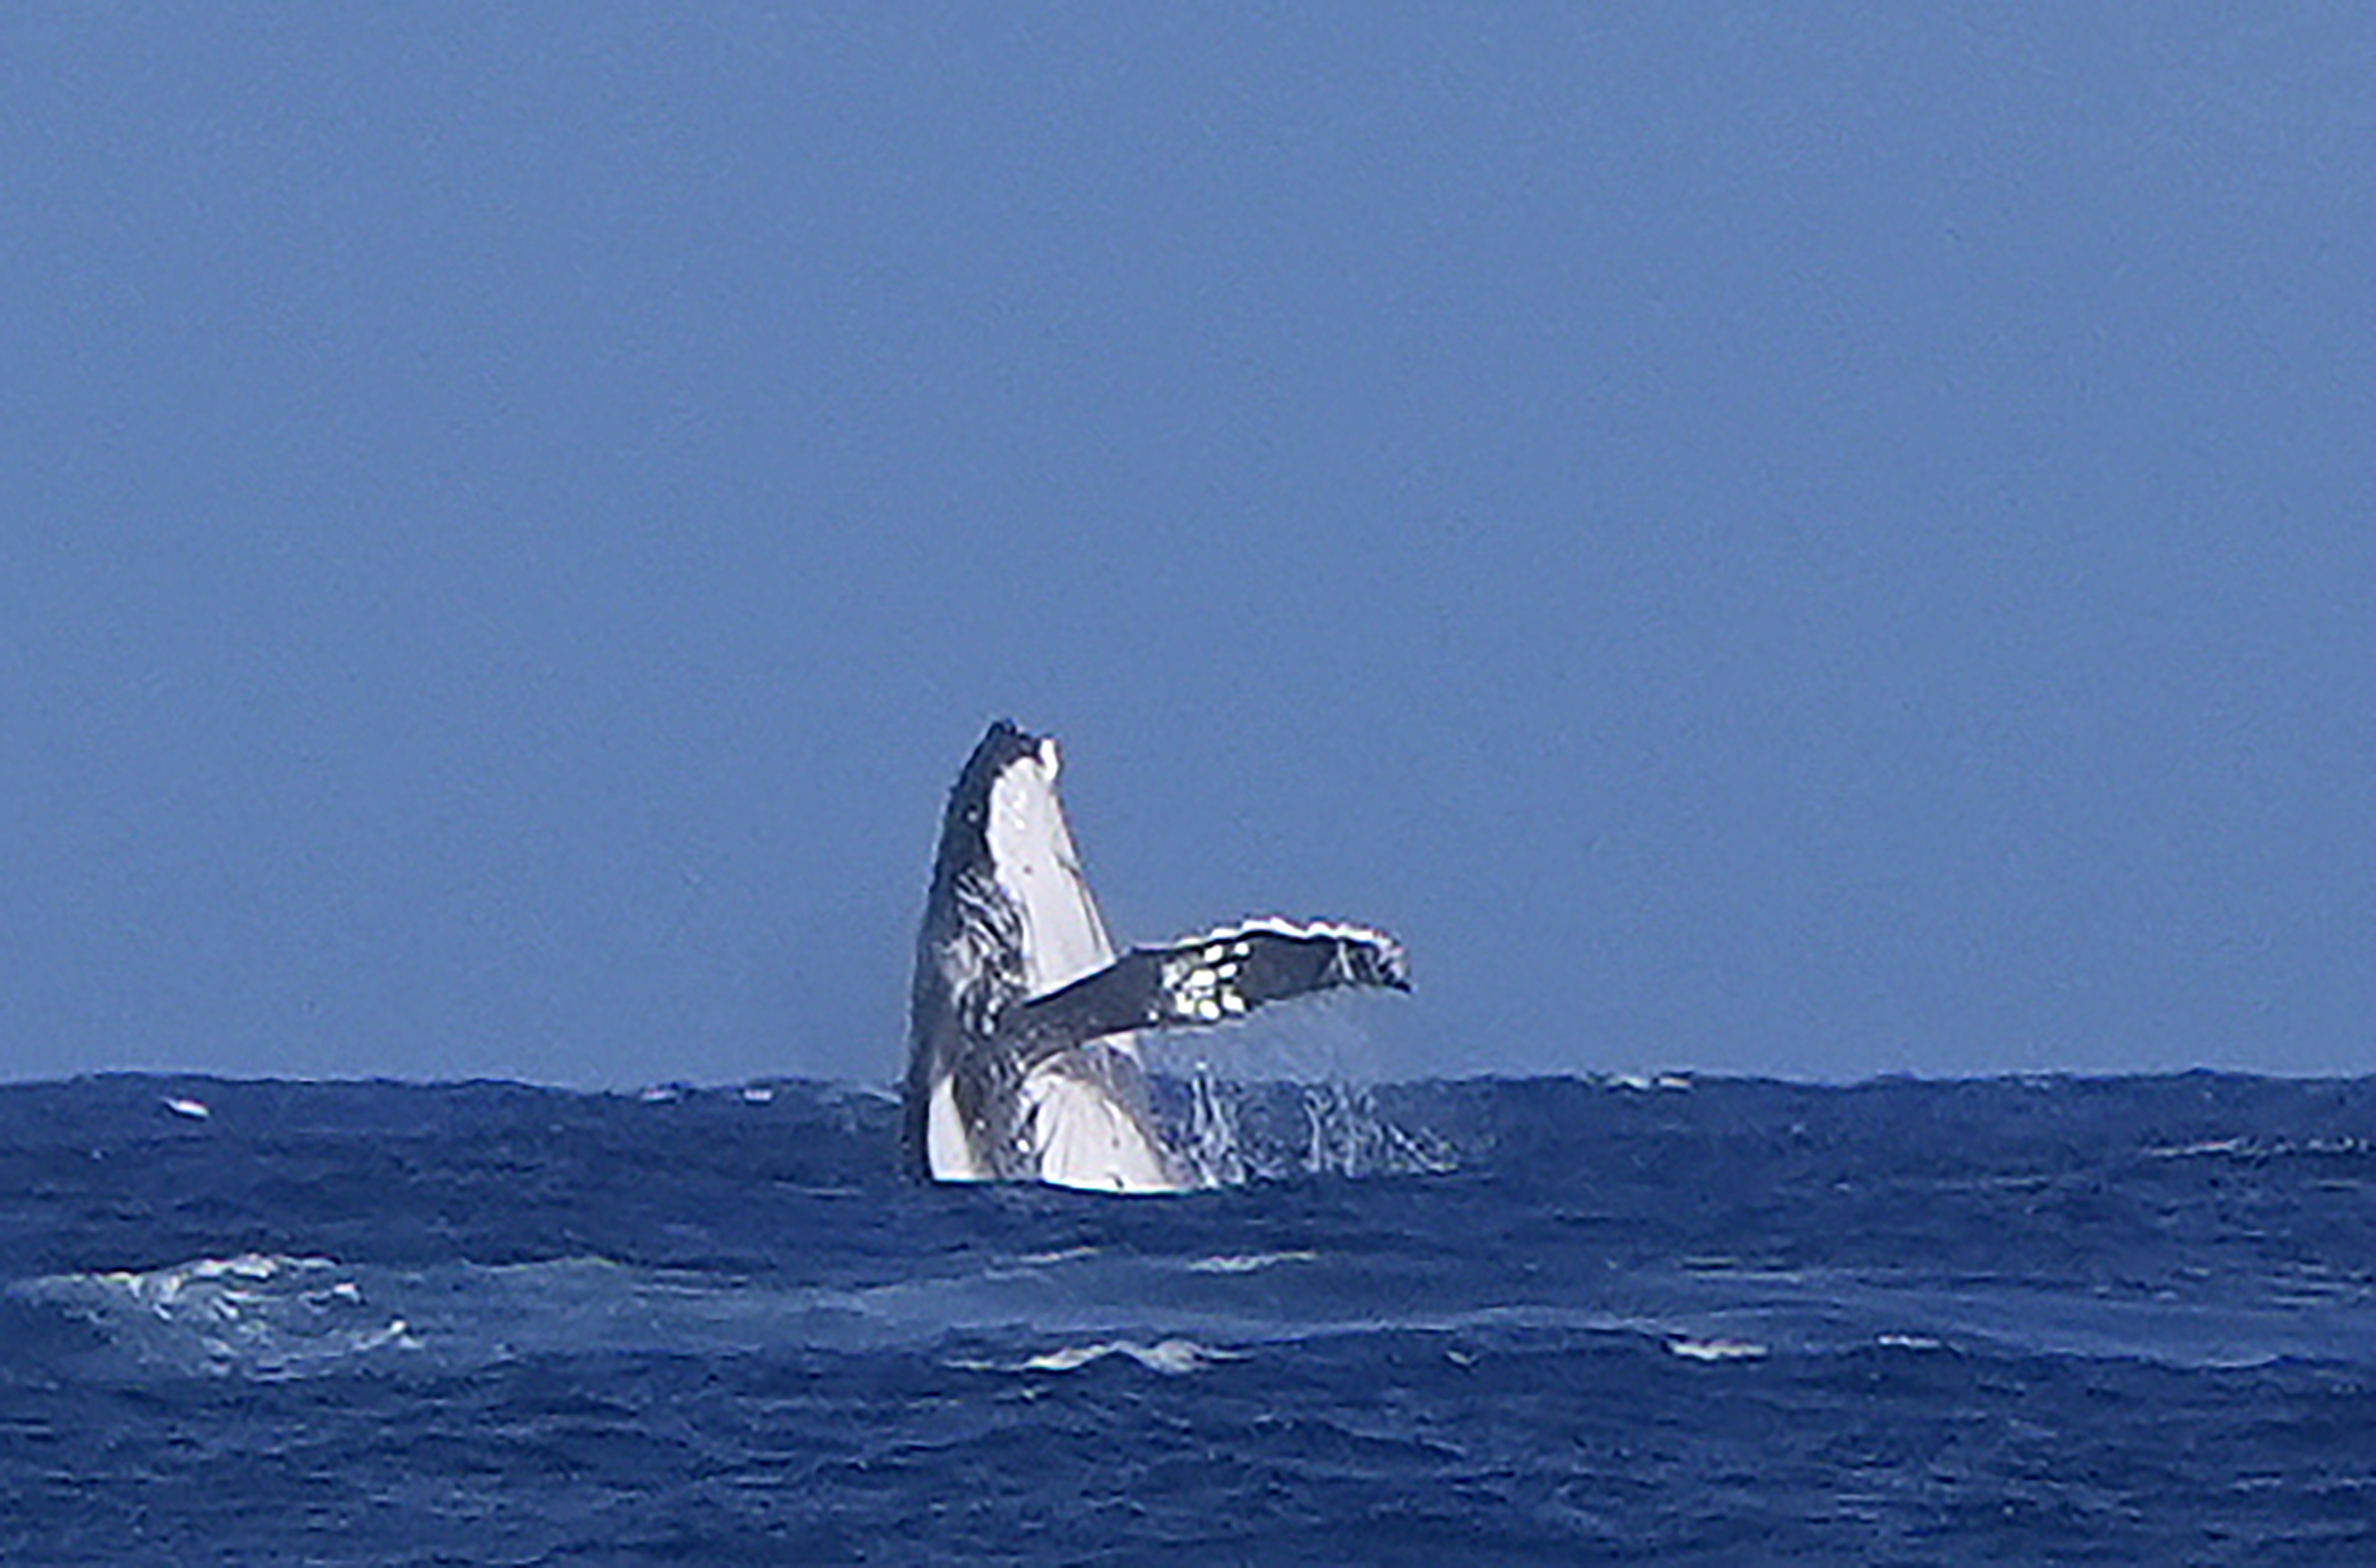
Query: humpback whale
[[1022, 1049]]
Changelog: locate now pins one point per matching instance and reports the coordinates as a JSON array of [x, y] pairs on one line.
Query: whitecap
[[1247, 1263], [1171, 1357], [263, 1313]]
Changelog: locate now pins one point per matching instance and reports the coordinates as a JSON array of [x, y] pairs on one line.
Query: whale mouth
[[1023, 1060]]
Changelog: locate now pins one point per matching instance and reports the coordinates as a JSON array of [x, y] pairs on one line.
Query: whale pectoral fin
[[1263, 964], [1210, 979], [1125, 994]]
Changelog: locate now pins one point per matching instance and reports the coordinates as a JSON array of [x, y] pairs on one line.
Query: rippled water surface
[[1501, 1322]]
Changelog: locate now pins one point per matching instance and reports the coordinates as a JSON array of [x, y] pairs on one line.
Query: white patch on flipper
[[1202, 986], [1225, 939]]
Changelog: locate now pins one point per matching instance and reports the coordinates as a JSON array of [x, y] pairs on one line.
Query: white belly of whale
[[945, 1143], [1079, 1137], [1085, 1140]]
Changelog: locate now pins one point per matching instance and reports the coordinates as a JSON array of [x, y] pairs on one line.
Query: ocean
[[1678, 1321]]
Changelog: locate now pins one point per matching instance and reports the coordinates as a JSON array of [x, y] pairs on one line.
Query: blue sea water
[[1548, 1321]]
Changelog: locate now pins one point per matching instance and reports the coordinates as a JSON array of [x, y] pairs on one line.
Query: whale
[[1022, 1052]]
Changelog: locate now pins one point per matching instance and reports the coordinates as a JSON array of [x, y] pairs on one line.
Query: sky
[[1803, 541]]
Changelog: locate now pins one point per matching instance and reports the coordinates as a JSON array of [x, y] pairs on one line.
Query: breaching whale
[[1022, 1053]]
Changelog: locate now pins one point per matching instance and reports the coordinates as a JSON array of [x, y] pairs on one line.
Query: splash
[[260, 1314], [1348, 1137], [1229, 1132]]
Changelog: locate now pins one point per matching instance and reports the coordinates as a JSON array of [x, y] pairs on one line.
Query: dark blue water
[[2126, 1321]]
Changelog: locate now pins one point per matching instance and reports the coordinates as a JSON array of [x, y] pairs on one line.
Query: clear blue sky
[[1786, 540]]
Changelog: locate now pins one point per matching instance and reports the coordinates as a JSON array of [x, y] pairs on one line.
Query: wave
[[273, 1317], [1172, 1358], [296, 1229], [262, 1315]]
